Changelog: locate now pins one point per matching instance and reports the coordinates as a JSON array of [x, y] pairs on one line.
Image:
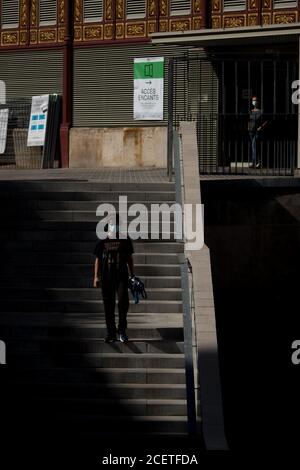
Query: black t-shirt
[[113, 256]]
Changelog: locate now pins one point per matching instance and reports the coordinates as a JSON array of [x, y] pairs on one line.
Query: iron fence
[[216, 93], [226, 146]]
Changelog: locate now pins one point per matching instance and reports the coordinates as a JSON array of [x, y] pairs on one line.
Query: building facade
[[84, 50]]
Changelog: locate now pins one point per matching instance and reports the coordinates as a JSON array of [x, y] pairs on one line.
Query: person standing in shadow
[[113, 258], [255, 126]]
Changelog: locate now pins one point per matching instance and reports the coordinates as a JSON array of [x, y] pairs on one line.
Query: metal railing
[[190, 344], [14, 151], [225, 144], [216, 93], [14, 122], [190, 347]]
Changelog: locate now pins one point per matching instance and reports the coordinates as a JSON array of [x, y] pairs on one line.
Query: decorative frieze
[[116, 26], [152, 11], [77, 33], [216, 6], [10, 38], [216, 22], [136, 30], [253, 5], [33, 13], [234, 21], [163, 7], [92, 33], [120, 31], [61, 34], [109, 15], [180, 25], [24, 13], [163, 26], [47, 35], [281, 18], [78, 11], [197, 7], [33, 36], [61, 11], [24, 37], [120, 9], [253, 20], [266, 19], [152, 27], [109, 31], [197, 23]]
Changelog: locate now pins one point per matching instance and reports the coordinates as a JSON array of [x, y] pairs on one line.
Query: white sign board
[[3, 129], [38, 121], [2, 92], [149, 89]]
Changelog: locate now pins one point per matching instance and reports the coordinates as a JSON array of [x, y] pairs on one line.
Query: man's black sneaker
[[110, 339], [123, 338]]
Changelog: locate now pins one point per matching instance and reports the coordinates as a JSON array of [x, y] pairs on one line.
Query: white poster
[[149, 89], [3, 129], [2, 92], [38, 121]]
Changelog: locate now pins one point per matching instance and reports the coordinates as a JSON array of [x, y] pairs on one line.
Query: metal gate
[[217, 95]]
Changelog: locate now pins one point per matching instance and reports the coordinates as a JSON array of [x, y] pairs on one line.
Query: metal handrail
[[187, 299], [188, 350]]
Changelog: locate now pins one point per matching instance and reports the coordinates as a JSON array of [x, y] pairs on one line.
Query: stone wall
[[118, 147]]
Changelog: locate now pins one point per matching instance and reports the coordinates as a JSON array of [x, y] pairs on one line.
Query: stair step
[[80, 282], [84, 270], [88, 345], [88, 294], [108, 407], [75, 195], [116, 375], [65, 184], [69, 247], [85, 205], [87, 306], [20, 327], [44, 232], [28, 360], [173, 391], [123, 424], [30, 214], [42, 258]]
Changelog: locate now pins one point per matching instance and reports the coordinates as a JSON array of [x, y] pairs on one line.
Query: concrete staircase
[[61, 380]]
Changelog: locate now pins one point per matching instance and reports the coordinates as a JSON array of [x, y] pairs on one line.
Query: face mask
[[254, 103], [112, 229]]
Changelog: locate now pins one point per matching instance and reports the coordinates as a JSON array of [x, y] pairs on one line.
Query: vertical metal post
[[249, 84], [236, 86], [170, 118], [298, 150], [188, 349], [223, 88], [275, 91], [287, 88], [262, 85]]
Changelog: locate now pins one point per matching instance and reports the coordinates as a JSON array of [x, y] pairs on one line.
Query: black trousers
[[111, 287]]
